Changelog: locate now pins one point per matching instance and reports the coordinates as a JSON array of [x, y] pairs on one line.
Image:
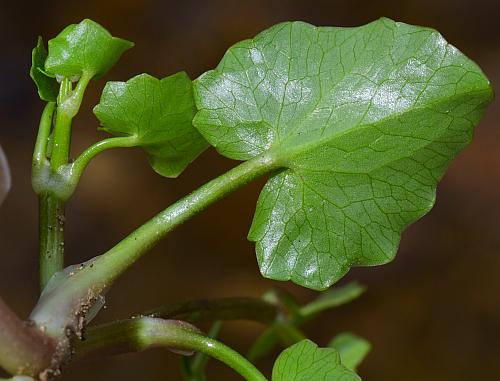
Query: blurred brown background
[[432, 314]]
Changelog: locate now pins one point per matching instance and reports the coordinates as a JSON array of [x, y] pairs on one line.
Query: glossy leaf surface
[[364, 121], [47, 86], [84, 48], [352, 349], [304, 361], [159, 114]]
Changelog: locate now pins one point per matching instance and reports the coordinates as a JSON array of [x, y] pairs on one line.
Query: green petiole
[[142, 333], [49, 180], [78, 166], [93, 279]]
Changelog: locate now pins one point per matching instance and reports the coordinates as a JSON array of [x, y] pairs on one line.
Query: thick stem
[[46, 181], [23, 348], [51, 209], [142, 333], [58, 309], [51, 233]]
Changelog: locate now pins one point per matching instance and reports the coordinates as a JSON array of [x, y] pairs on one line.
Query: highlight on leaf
[[363, 121], [84, 48], [354, 126], [157, 115]]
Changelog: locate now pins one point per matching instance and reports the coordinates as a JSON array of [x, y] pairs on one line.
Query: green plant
[[353, 127]]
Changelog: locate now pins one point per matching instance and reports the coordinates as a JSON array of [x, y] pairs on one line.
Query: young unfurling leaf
[[47, 86], [364, 122], [84, 48], [158, 114], [304, 361]]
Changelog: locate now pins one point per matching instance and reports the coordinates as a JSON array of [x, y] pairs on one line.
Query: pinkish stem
[[24, 349]]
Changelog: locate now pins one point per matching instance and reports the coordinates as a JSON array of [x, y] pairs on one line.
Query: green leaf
[[332, 298], [84, 48], [158, 114], [47, 86], [352, 349], [364, 121], [304, 361]]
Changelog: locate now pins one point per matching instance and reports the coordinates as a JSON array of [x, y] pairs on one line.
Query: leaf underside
[[304, 361], [159, 114], [364, 121]]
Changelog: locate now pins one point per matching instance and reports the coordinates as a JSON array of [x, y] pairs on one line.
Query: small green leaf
[[158, 114], [304, 361], [352, 349], [47, 86], [84, 48], [364, 122]]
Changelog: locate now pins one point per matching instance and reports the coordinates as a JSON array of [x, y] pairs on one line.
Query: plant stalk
[[57, 312], [51, 209], [193, 369], [42, 139], [51, 232], [113, 263], [142, 333], [23, 348], [51, 204], [79, 165], [62, 128], [194, 311]]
